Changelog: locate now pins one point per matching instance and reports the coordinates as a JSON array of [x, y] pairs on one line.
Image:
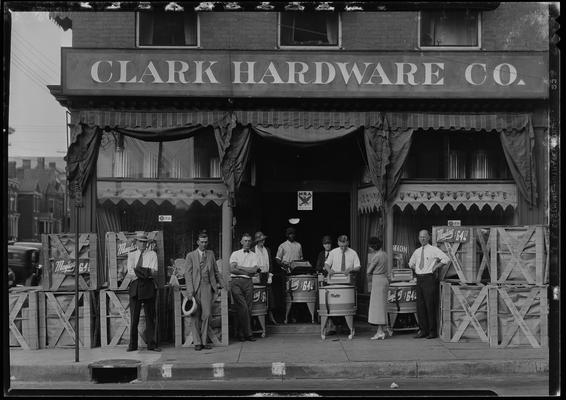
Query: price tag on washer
[[165, 218]]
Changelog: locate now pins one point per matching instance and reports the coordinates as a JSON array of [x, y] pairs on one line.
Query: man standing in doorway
[[203, 281], [342, 260], [289, 251], [425, 261], [243, 266], [142, 266]]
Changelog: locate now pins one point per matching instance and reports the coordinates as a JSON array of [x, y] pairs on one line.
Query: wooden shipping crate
[[59, 257], [24, 319], [467, 261], [118, 245], [519, 255], [464, 313], [218, 323], [115, 318], [57, 319], [518, 316]]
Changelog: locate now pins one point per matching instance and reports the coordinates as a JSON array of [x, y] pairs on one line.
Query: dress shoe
[[198, 347], [330, 333], [420, 335], [207, 347], [242, 339], [154, 349], [132, 349], [432, 336], [251, 339]]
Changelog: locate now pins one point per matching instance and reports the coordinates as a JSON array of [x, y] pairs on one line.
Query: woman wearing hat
[[264, 263], [377, 268]]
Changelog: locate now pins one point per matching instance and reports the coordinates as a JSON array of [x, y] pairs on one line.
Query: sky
[[35, 58]]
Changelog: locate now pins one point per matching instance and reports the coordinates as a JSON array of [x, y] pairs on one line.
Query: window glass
[[177, 159], [309, 29], [449, 28], [207, 162], [161, 28], [125, 157], [456, 155]]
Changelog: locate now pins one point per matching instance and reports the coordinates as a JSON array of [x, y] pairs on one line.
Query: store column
[[226, 239], [388, 208]]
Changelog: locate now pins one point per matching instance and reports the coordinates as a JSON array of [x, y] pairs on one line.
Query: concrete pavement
[[287, 356]]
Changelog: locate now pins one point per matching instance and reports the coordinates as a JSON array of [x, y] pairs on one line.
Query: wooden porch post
[[388, 208]]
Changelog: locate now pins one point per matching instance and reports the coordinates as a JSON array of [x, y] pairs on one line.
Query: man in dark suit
[[142, 266], [203, 281], [323, 255]]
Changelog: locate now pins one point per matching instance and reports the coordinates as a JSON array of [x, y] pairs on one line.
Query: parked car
[[23, 266], [37, 245]]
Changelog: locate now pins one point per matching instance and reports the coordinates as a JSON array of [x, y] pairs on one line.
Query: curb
[[247, 371], [352, 370]]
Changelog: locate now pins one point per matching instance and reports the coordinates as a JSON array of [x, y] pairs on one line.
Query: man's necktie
[[421, 263], [140, 261], [246, 251], [343, 266]]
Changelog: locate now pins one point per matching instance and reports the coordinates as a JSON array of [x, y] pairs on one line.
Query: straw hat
[[141, 237], [259, 236], [189, 306]]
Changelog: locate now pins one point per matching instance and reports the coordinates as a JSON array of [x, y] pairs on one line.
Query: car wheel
[[11, 278]]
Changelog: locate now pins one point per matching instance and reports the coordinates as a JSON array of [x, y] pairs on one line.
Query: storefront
[[388, 143]]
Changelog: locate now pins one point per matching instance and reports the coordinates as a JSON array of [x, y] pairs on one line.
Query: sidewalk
[[298, 355]]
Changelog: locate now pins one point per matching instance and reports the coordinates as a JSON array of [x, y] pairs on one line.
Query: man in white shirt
[[264, 263], [289, 251], [425, 261], [142, 266], [243, 266], [342, 259]]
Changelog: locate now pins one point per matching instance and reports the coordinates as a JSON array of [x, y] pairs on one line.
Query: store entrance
[[330, 216], [328, 169]]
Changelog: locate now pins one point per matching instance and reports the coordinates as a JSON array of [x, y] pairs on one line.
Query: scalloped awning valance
[[331, 119]]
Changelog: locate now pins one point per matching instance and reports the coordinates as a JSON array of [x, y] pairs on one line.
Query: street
[[528, 386]]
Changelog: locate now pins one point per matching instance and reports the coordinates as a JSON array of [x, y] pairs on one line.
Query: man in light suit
[[203, 281]]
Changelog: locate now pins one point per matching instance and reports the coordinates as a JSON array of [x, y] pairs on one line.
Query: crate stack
[[218, 323], [115, 321], [56, 300], [23, 317], [508, 309]]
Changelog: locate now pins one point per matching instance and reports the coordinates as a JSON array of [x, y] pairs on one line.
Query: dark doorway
[[328, 169], [330, 216]]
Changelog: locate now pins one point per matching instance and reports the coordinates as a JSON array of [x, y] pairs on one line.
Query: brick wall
[[512, 26], [516, 26], [379, 30], [104, 29]]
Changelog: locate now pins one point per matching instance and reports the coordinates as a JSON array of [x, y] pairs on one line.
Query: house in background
[[41, 199], [13, 214]]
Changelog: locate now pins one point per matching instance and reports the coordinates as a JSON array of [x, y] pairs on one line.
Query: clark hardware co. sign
[[151, 72]]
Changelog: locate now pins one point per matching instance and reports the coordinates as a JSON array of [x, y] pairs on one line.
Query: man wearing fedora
[[203, 281], [264, 263], [142, 266]]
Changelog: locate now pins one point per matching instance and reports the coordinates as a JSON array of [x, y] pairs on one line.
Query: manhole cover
[[114, 371]]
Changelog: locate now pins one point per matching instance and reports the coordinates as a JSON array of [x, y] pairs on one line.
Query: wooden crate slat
[[463, 256], [183, 331], [485, 252], [63, 244], [518, 255], [23, 311], [461, 306], [519, 316], [61, 305], [116, 320]]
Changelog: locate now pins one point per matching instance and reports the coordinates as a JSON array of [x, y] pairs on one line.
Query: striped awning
[[463, 121], [329, 119]]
